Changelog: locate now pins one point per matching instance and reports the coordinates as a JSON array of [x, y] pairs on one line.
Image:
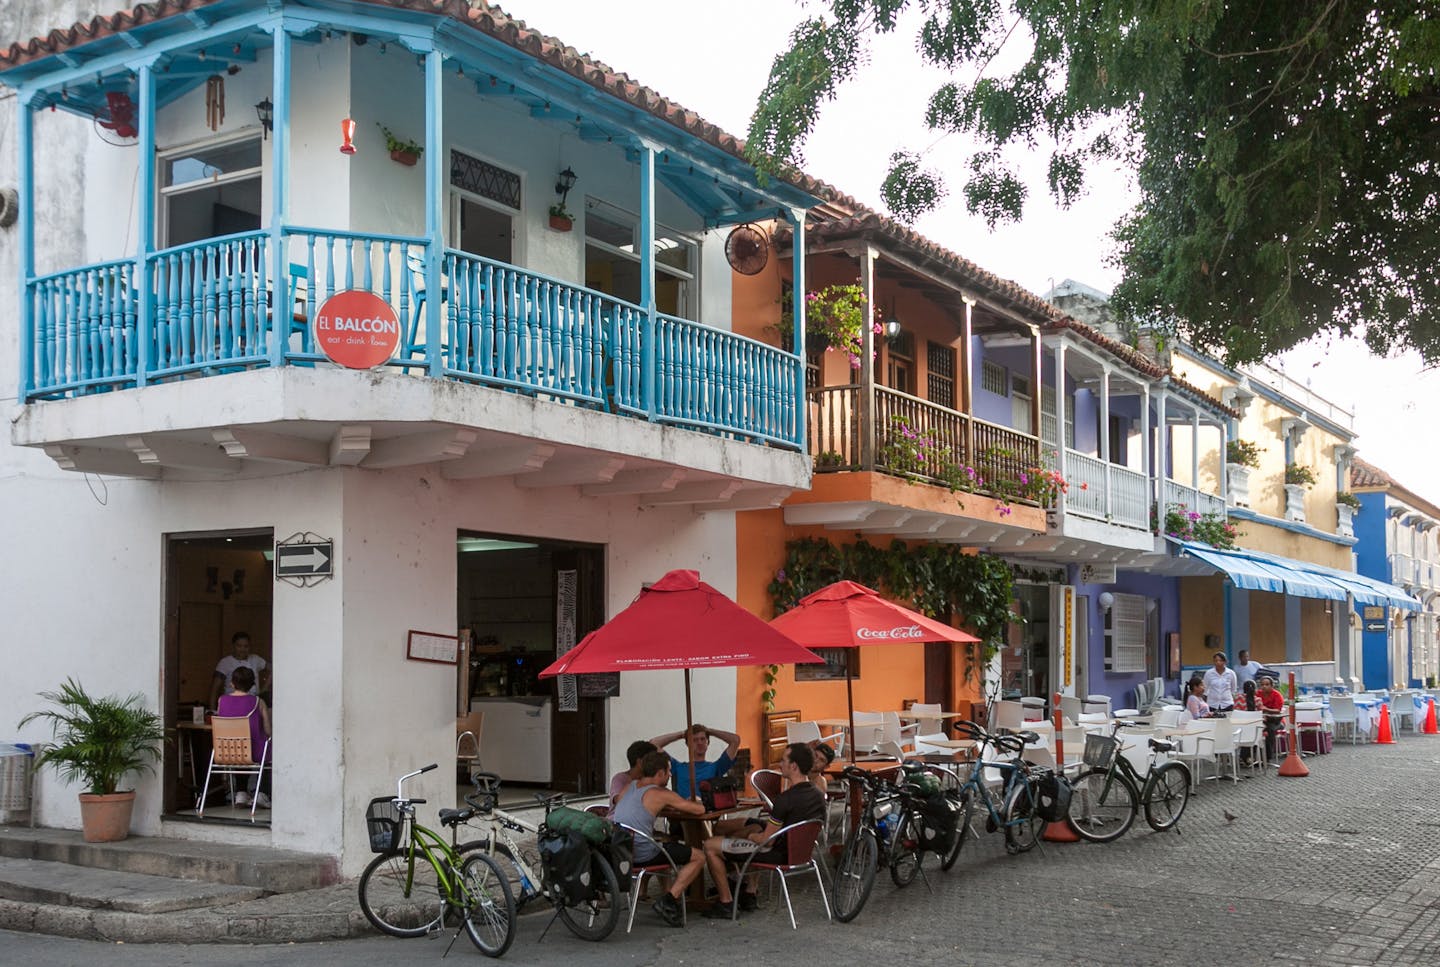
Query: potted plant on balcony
[[100, 741], [560, 219], [401, 151], [1347, 505], [833, 317], [1241, 456], [1298, 479]]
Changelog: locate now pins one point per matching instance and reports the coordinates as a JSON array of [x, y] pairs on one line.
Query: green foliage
[[1348, 499], [1298, 473], [829, 460], [833, 315], [939, 580], [1210, 528], [98, 741], [1243, 453], [1284, 153], [395, 143]]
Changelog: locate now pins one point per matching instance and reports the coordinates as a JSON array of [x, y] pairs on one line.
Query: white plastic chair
[[1309, 717], [1402, 707], [1071, 707], [1167, 717], [1033, 709], [868, 729], [1009, 715], [1344, 717], [1097, 703], [1250, 736], [1209, 746], [891, 731], [927, 725]]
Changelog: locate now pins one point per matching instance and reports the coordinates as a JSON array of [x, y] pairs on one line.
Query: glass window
[[833, 668], [209, 163], [612, 262], [210, 190]]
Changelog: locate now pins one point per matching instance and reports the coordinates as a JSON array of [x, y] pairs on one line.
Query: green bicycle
[[418, 878]]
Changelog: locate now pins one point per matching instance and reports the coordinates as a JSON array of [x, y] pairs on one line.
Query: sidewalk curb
[[212, 926]]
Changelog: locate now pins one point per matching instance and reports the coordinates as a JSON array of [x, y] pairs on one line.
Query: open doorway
[[520, 600], [217, 586]]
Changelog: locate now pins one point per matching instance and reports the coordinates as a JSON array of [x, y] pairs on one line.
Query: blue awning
[[1258, 571]]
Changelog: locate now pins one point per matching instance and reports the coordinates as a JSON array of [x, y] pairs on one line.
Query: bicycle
[[867, 845], [1017, 798], [928, 823], [589, 919], [1107, 795], [418, 878]]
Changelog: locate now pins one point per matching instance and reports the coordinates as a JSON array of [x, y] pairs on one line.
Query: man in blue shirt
[[699, 746]]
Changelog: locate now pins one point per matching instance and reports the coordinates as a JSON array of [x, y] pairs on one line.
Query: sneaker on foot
[[717, 911], [749, 901], [668, 909], [262, 801], [242, 798]]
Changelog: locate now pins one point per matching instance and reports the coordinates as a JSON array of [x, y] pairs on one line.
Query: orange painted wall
[[888, 673]]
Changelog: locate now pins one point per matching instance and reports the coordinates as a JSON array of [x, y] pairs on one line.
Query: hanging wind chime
[[215, 101]]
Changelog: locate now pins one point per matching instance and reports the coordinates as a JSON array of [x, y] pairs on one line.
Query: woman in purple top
[[239, 703], [1195, 704]]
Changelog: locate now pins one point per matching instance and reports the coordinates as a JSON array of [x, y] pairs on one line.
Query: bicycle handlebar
[[399, 792]]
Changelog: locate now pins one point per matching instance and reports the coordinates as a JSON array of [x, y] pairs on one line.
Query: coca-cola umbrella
[[847, 615], [680, 622]]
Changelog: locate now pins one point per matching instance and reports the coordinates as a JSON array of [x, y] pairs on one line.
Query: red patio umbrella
[[680, 622], [847, 615]]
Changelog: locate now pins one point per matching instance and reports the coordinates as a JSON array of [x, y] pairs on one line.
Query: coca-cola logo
[[889, 634]]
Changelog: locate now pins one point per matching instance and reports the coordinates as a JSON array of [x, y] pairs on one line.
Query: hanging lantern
[[347, 131]]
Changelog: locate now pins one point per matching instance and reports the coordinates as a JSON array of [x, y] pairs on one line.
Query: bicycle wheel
[[1102, 805], [1022, 826], [905, 849], [962, 831], [593, 919], [521, 888], [1166, 795], [400, 894], [855, 876], [490, 907]]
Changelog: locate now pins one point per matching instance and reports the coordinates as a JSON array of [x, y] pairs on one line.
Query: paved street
[[1339, 868]]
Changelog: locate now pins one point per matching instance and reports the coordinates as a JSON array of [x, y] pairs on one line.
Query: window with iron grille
[[833, 668], [993, 379], [940, 374], [484, 179], [1126, 628]]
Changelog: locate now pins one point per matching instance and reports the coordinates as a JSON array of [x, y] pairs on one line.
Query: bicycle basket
[[1100, 750], [382, 821]]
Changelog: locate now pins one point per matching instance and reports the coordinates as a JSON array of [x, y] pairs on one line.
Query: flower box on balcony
[[1344, 520], [1295, 502], [1237, 484]]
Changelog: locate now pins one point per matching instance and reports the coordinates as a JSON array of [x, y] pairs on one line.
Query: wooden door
[[577, 737]]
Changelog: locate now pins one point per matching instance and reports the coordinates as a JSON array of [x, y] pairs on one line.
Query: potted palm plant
[[98, 742]]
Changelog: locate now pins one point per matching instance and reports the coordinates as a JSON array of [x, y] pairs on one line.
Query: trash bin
[[16, 771]]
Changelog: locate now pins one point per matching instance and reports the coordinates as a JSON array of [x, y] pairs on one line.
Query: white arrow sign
[[303, 560]]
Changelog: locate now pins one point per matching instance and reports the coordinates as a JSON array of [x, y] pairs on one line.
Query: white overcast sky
[[713, 57]]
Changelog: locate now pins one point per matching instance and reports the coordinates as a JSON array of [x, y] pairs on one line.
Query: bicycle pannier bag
[[619, 850], [568, 863], [1052, 795], [939, 823]]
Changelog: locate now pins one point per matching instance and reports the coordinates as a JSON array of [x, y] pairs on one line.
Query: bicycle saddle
[[454, 817], [1162, 745]]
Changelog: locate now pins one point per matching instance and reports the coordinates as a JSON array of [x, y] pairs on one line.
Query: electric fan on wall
[[116, 124], [747, 249]]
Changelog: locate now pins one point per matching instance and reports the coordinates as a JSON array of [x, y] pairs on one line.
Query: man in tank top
[[638, 806]]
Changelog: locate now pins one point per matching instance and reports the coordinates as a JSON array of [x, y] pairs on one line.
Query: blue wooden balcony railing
[[213, 309]]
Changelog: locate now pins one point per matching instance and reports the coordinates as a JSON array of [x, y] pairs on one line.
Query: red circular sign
[[357, 329]]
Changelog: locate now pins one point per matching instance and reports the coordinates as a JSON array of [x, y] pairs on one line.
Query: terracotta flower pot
[[106, 819], [407, 158], [561, 224]]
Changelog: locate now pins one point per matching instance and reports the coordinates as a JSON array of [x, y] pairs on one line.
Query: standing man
[[1220, 686], [239, 655], [639, 803], [699, 745], [1245, 669]]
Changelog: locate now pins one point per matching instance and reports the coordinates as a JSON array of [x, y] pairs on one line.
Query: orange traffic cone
[[1294, 766], [1059, 833], [1384, 737], [1430, 727]]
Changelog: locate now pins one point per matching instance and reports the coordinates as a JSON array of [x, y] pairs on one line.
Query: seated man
[[621, 780], [1272, 703], [642, 799], [699, 745], [799, 802]]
